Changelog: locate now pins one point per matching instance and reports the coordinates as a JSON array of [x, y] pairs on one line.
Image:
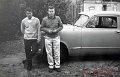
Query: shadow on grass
[[42, 58]]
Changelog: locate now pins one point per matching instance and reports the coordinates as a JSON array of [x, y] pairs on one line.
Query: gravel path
[[12, 54]]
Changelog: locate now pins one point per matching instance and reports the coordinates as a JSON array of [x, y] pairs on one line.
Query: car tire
[[63, 54], [44, 55]]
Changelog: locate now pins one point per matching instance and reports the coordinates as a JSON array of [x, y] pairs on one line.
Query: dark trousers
[[31, 47]]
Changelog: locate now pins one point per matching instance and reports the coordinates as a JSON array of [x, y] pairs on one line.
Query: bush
[[12, 12]]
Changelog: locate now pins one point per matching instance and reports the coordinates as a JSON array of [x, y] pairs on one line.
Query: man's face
[[29, 14], [51, 12]]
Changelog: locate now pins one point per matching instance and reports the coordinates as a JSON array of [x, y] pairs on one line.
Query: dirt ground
[[12, 54]]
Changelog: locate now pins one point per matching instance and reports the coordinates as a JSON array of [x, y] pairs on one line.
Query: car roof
[[100, 13]]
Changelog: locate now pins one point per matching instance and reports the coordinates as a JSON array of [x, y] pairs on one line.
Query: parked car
[[93, 33]]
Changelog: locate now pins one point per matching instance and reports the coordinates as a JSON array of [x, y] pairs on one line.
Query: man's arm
[[39, 32], [60, 24], [43, 27], [22, 27]]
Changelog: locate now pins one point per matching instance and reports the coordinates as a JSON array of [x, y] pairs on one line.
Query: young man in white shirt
[[30, 27]]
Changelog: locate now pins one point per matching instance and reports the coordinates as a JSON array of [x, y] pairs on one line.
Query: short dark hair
[[28, 9], [51, 7]]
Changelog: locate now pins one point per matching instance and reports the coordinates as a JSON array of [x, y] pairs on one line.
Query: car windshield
[[81, 20]]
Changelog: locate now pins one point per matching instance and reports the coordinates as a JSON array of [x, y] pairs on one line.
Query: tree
[[9, 19], [40, 7], [12, 12]]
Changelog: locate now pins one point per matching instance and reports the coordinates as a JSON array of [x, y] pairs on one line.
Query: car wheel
[[44, 55], [63, 54]]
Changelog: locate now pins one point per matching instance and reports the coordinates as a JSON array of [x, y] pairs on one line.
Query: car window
[[93, 22], [81, 20], [102, 22], [109, 22]]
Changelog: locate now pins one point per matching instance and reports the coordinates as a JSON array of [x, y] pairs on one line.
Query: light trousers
[[53, 51]]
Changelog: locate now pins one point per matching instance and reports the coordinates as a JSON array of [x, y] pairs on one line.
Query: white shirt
[[30, 20]]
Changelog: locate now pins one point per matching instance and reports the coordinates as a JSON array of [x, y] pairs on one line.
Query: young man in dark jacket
[[52, 25]]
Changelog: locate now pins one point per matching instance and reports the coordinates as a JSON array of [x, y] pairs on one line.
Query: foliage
[[9, 19], [12, 12], [40, 7]]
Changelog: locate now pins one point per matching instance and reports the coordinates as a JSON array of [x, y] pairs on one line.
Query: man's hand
[[38, 41], [50, 31], [54, 31]]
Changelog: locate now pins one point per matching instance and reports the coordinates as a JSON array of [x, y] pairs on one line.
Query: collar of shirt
[[52, 17], [30, 20]]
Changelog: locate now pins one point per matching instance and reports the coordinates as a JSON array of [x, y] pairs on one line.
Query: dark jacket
[[51, 24]]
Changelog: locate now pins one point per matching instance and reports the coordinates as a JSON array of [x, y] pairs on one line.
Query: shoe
[[29, 65], [29, 68], [24, 61], [58, 69], [50, 70]]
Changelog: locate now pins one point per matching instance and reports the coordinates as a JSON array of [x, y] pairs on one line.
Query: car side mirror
[[92, 26]]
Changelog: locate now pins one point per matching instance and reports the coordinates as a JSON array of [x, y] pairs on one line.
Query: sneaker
[[50, 70], [58, 69]]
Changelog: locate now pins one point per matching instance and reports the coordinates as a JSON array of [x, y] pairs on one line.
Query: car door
[[100, 34], [72, 35]]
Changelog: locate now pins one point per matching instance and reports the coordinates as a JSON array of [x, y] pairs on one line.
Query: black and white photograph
[[59, 38]]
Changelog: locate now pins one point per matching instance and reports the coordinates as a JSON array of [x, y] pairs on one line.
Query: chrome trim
[[75, 47], [100, 47], [92, 47]]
